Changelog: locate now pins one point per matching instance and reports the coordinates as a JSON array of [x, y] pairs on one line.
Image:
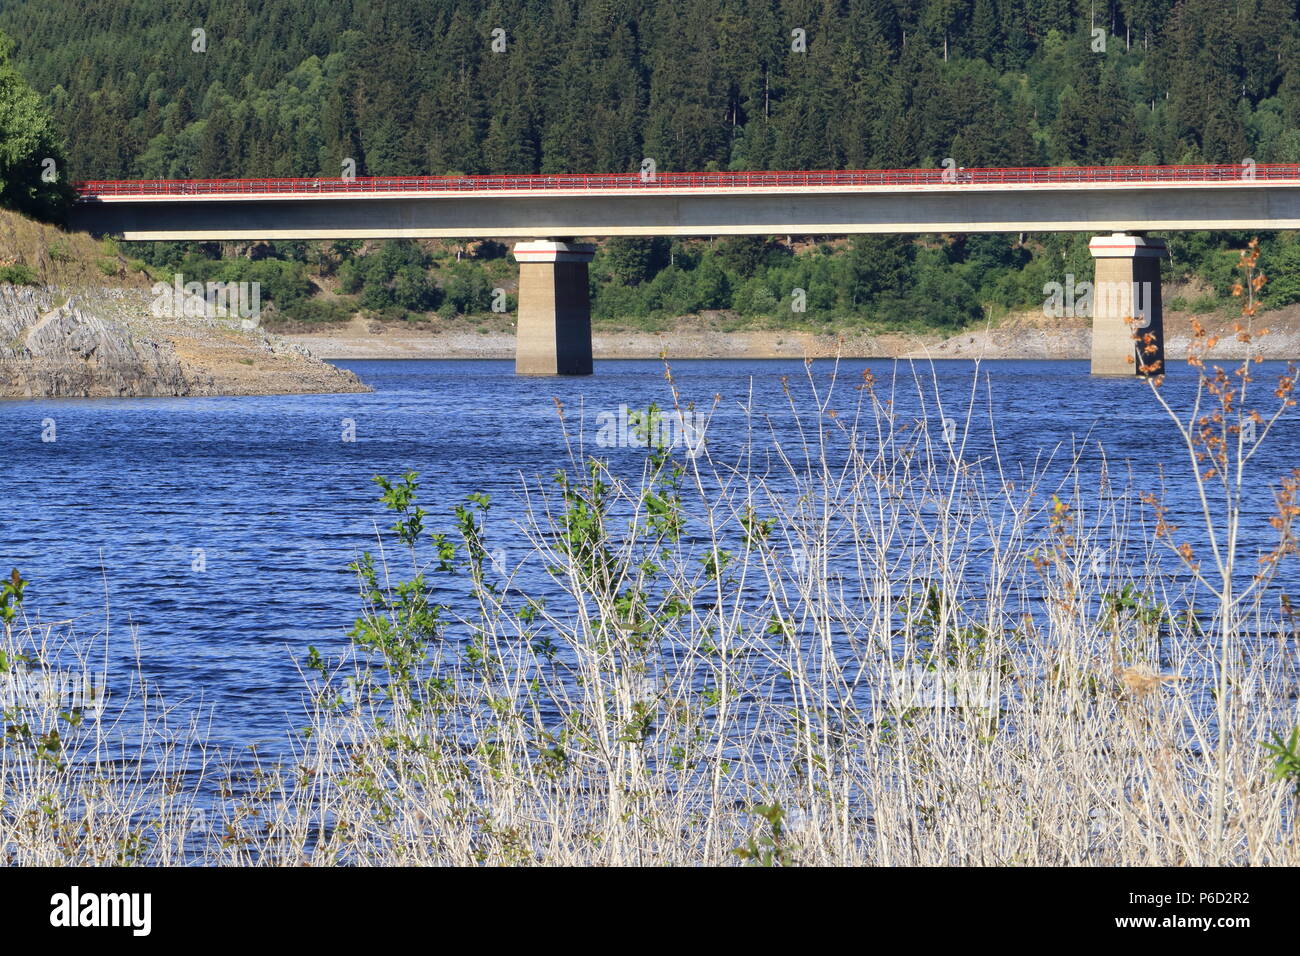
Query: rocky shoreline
[[106, 342], [102, 343]]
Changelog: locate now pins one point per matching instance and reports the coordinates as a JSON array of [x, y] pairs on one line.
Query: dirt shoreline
[[1021, 336], [105, 342]]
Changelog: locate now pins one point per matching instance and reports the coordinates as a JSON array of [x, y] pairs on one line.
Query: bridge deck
[[812, 202]]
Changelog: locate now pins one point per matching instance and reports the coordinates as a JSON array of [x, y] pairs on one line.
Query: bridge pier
[[1127, 319], [553, 336]]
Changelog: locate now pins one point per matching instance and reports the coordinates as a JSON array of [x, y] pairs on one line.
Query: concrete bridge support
[[554, 330], [1127, 320]]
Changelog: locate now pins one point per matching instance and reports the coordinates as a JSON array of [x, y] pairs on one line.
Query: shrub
[[18, 274], [317, 311]]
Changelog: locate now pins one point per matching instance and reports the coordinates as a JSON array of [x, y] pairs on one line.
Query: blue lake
[[220, 530]]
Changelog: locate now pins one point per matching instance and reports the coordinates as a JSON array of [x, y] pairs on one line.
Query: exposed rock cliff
[[49, 349], [107, 343]]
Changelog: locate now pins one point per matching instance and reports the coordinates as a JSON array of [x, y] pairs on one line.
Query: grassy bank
[[37, 253]]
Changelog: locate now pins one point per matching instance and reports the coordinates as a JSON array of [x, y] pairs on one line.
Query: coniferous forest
[[407, 87]]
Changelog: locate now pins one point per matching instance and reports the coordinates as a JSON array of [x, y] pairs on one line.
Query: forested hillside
[[434, 86], [413, 86]]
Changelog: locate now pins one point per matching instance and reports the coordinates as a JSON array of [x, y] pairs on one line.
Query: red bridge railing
[[1029, 176]]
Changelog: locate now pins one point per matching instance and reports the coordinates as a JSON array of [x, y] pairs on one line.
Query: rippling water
[[110, 520]]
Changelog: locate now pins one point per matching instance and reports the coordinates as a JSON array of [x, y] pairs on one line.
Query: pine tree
[[214, 147], [986, 32]]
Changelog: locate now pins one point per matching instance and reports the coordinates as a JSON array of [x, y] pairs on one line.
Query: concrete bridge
[[549, 212]]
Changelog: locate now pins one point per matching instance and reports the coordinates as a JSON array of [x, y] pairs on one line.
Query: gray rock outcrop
[[59, 345], [63, 350]]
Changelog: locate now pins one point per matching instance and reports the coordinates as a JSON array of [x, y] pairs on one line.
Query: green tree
[[33, 177], [743, 255], [878, 265], [635, 260], [1284, 274]]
